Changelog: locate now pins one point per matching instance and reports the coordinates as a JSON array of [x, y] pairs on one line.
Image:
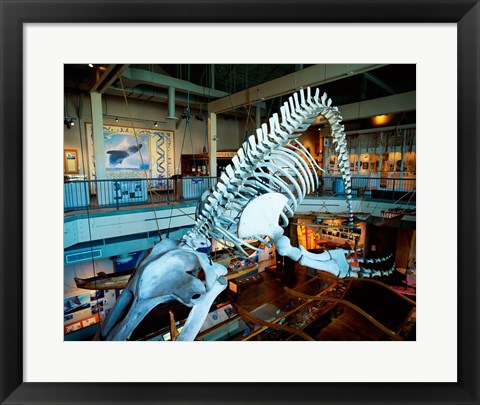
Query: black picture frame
[[13, 389]]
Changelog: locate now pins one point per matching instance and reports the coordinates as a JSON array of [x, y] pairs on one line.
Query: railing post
[[117, 199]]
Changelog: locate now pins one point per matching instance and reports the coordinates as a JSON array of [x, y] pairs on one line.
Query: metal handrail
[[127, 192], [117, 193]]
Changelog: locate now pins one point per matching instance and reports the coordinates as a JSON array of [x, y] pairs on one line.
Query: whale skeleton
[[260, 190]]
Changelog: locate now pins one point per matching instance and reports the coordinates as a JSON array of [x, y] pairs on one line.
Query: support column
[[212, 144], [98, 142]]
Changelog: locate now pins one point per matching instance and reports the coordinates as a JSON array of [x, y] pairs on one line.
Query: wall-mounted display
[[127, 152], [86, 309], [130, 152], [70, 160], [76, 303]]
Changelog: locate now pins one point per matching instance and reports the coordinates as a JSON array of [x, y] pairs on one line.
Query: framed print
[[70, 159], [286, 372], [129, 152]]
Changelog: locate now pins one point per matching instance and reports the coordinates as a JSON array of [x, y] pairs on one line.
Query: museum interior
[[239, 202]]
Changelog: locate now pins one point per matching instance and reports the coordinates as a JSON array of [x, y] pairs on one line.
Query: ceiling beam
[[104, 76], [309, 77], [139, 76], [158, 95], [379, 83], [114, 75], [100, 74], [379, 106]]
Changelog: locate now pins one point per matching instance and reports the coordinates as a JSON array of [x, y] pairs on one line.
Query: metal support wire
[[80, 103], [141, 156]]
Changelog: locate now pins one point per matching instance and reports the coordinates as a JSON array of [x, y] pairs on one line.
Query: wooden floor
[[341, 324], [346, 324], [349, 326], [270, 289]]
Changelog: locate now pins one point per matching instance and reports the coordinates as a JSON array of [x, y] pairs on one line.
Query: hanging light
[[381, 119], [91, 65], [116, 119], [155, 125], [72, 123]]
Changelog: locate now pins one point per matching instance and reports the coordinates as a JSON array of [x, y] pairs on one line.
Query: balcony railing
[[389, 188], [117, 193]]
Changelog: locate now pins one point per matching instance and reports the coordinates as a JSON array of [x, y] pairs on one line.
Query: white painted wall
[[230, 131]]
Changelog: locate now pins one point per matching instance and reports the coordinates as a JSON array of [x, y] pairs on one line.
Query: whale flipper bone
[[261, 216]]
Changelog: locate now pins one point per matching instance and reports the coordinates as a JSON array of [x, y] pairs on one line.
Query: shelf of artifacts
[[329, 234], [300, 314], [198, 164], [340, 236], [243, 272]]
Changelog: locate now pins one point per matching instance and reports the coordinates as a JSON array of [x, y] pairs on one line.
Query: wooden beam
[[114, 74], [101, 73], [309, 77], [378, 106]]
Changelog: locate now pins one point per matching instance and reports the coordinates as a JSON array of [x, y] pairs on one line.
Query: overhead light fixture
[[155, 125], [91, 65], [381, 119], [116, 119], [68, 122]]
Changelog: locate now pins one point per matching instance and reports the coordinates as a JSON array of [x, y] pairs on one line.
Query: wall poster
[[151, 151], [70, 161]]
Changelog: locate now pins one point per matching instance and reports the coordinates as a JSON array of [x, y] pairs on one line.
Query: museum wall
[[378, 153], [230, 130]]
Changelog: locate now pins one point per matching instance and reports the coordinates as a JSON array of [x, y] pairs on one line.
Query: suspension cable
[[87, 192], [149, 188]]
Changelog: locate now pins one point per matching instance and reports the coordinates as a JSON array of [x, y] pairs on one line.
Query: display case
[[198, 164], [296, 315], [284, 318]]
